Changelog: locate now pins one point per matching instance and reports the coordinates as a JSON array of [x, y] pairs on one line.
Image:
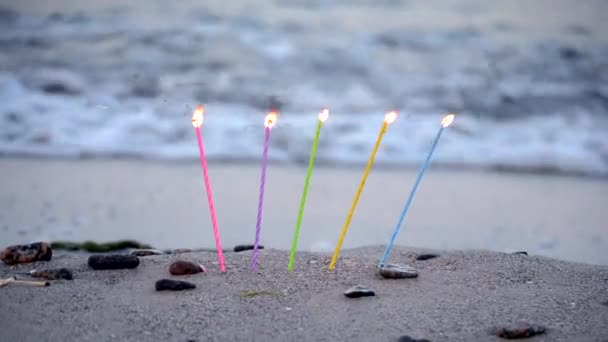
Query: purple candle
[[269, 121]]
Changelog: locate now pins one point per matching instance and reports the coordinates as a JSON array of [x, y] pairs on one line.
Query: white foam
[[71, 126]]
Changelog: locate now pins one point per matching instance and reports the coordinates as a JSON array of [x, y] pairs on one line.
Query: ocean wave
[[99, 85]]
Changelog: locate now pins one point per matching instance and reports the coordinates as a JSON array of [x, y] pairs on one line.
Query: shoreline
[[449, 300], [164, 204], [322, 164]]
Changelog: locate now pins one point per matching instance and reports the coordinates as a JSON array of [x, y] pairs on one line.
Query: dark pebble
[[182, 267], [20, 254], [395, 271], [53, 274], [241, 248], [113, 261], [520, 253], [605, 302], [173, 285], [427, 256], [520, 330], [406, 338], [359, 291]]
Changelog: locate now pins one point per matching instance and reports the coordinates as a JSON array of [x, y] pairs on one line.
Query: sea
[[527, 80]]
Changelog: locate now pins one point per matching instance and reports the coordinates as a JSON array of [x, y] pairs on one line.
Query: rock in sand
[[173, 285], [519, 330], [21, 254], [53, 274], [242, 248], [394, 271], [113, 261], [426, 256], [406, 338], [182, 267], [359, 291]]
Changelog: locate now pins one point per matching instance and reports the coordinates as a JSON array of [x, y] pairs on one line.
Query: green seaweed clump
[[94, 247]]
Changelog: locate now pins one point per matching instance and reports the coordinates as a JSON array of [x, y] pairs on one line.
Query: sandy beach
[[164, 205], [459, 296], [96, 145]]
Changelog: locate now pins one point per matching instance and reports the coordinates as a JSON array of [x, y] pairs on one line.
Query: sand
[[459, 296], [164, 204]]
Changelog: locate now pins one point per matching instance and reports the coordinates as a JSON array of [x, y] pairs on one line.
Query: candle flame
[[390, 117], [197, 116], [447, 120], [270, 119], [323, 115]]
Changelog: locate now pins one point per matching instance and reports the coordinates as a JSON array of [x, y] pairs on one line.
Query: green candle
[[323, 115]]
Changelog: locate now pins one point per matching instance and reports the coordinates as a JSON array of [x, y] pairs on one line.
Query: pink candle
[[197, 121]]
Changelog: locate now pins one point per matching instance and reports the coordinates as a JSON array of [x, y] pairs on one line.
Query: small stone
[[427, 256], [394, 271], [359, 291], [182, 267], [113, 261], [406, 338], [241, 248], [53, 274], [520, 253], [519, 330], [146, 252], [173, 285], [21, 254]]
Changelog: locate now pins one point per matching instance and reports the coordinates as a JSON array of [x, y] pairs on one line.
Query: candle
[[323, 115], [197, 121], [269, 122], [388, 119], [445, 122]]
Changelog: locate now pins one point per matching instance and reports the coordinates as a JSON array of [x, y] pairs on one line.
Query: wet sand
[[165, 205], [459, 296]]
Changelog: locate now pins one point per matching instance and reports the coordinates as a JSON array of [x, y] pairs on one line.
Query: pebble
[[53, 274], [20, 254], [173, 285], [406, 338], [520, 330], [241, 248], [182, 267], [427, 256], [359, 291], [113, 261], [520, 253], [394, 271], [146, 252]]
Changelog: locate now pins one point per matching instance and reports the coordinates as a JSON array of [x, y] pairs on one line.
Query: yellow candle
[[388, 119]]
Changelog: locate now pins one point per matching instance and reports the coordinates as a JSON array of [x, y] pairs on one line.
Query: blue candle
[[447, 120]]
